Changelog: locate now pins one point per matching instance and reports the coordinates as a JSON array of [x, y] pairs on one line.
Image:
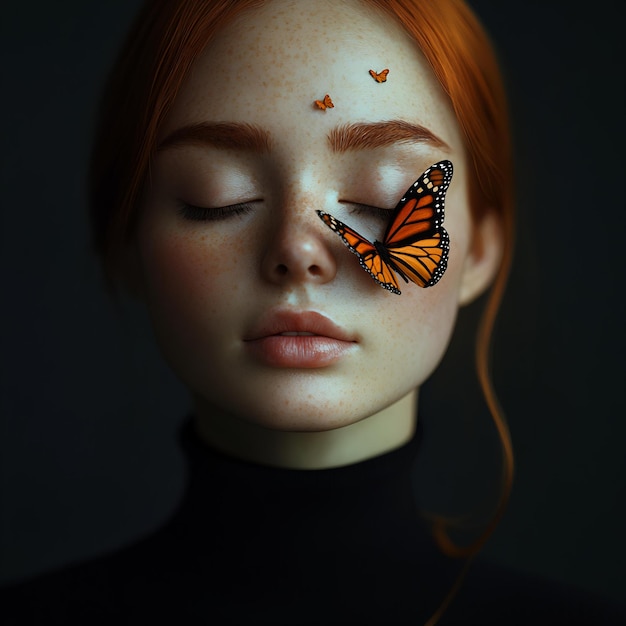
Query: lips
[[298, 340]]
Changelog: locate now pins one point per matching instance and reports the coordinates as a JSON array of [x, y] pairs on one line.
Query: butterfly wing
[[415, 240], [380, 77], [369, 257], [324, 104]]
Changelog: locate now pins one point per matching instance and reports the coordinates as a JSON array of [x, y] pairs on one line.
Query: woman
[[214, 156]]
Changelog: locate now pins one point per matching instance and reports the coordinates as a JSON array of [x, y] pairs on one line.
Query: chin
[[302, 417], [300, 422], [282, 414]]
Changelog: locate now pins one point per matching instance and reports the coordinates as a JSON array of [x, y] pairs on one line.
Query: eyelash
[[205, 214], [373, 211]]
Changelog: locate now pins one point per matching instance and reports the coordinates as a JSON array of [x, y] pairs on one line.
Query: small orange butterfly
[[324, 104], [379, 78]]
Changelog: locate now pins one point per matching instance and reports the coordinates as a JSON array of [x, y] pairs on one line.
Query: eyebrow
[[225, 135], [381, 134], [355, 136]]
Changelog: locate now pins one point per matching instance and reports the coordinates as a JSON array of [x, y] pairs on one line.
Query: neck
[[370, 437]]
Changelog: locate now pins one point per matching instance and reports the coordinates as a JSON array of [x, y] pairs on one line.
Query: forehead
[[271, 63]]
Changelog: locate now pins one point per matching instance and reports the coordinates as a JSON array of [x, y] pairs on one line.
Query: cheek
[[416, 327], [423, 326], [186, 278]]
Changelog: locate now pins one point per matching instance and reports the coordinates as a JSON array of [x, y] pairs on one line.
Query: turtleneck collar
[[275, 534], [372, 495]]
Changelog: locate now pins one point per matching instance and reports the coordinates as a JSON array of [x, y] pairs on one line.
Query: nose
[[298, 251]]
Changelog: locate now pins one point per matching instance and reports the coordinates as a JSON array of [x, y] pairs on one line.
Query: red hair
[[167, 37]]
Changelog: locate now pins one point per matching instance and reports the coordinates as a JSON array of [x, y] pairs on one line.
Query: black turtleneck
[[251, 544]]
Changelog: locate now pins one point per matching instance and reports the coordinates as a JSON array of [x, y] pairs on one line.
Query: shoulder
[[493, 594], [150, 583], [104, 590], [83, 593]]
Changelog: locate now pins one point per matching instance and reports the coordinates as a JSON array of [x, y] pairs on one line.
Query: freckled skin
[[207, 283]]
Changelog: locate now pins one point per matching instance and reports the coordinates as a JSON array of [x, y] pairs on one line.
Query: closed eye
[[213, 214], [369, 210]]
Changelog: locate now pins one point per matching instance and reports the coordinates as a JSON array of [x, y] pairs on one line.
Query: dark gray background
[[90, 412]]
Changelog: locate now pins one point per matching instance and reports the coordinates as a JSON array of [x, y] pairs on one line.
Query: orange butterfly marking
[[324, 104], [415, 245], [381, 77]]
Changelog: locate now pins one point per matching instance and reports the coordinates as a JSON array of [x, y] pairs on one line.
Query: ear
[[483, 257]]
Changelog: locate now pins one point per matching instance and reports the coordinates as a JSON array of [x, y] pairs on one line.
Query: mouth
[[298, 324], [305, 340]]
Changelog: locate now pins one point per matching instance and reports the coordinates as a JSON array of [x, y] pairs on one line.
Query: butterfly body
[[415, 245]]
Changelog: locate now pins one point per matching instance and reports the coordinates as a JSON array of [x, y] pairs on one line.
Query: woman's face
[[221, 291]]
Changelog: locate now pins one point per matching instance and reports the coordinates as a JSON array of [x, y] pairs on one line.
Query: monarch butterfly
[[324, 104], [416, 244], [381, 77]]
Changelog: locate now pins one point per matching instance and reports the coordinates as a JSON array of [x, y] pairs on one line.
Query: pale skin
[[207, 283]]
